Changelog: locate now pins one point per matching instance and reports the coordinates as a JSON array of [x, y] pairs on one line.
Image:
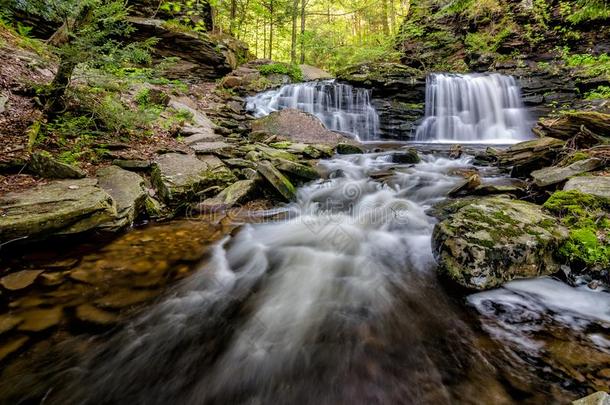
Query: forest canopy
[[325, 33]]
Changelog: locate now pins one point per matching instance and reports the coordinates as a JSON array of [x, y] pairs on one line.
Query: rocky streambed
[[347, 273]]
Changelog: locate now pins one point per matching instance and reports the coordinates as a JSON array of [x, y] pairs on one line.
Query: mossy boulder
[[493, 240], [587, 217], [60, 207], [45, 165], [179, 178], [237, 193], [277, 180]]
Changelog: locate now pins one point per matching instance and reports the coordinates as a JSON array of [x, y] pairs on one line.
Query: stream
[[334, 299]]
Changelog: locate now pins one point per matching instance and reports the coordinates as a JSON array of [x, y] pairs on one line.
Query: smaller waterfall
[[484, 108], [340, 107]]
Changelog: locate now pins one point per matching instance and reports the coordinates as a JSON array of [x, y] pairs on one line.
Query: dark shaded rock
[[494, 240], [410, 156], [348, 149], [200, 57], [528, 156], [44, 165]]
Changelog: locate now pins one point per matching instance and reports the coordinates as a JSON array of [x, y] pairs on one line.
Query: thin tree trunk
[[384, 18], [303, 16], [264, 39], [293, 45], [271, 30], [232, 17]]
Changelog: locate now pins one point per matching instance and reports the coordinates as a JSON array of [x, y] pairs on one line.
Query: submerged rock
[[494, 240], [179, 177], [61, 207], [595, 185], [39, 320], [554, 174], [20, 280], [410, 156], [127, 191], [44, 165]]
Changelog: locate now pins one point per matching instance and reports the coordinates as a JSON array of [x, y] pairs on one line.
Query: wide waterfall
[[340, 107], [485, 108]]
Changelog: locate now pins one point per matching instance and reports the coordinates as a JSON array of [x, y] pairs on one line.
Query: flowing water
[[340, 107], [480, 108], [339, 303]]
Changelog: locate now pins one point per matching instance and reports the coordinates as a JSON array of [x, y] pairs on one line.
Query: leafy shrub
[[600, 93], [292, 71]]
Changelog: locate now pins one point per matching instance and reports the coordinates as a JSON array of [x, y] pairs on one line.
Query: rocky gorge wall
[[557, 51]]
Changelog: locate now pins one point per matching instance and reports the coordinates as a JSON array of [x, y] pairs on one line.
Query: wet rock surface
[[491, 241]]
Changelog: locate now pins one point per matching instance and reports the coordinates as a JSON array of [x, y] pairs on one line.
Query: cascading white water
[[484, 108], [337, 304], [340, 107]]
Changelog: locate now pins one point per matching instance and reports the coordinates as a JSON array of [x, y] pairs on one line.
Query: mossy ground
[[588, 218]]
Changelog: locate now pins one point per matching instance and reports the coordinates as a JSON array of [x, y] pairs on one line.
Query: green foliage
[[588, 64], [588, 220], [589, 10], [189, 15], [602, 92], [292, 71]]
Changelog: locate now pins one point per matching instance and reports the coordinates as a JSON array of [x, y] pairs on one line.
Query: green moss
[[293, 71], [602, 92], [588, 221]]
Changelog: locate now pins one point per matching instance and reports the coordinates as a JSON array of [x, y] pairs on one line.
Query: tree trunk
[[232, 17], [54, 102], [303, 16], [271, 30], [293, 45], [384, 18]]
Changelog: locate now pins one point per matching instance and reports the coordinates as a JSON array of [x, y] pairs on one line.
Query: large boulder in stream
[[60, 207], [557, 174], [298, 126], [485, 243]]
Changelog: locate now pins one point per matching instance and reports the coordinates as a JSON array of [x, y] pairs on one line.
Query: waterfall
[[485, 108], [340, 107]]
